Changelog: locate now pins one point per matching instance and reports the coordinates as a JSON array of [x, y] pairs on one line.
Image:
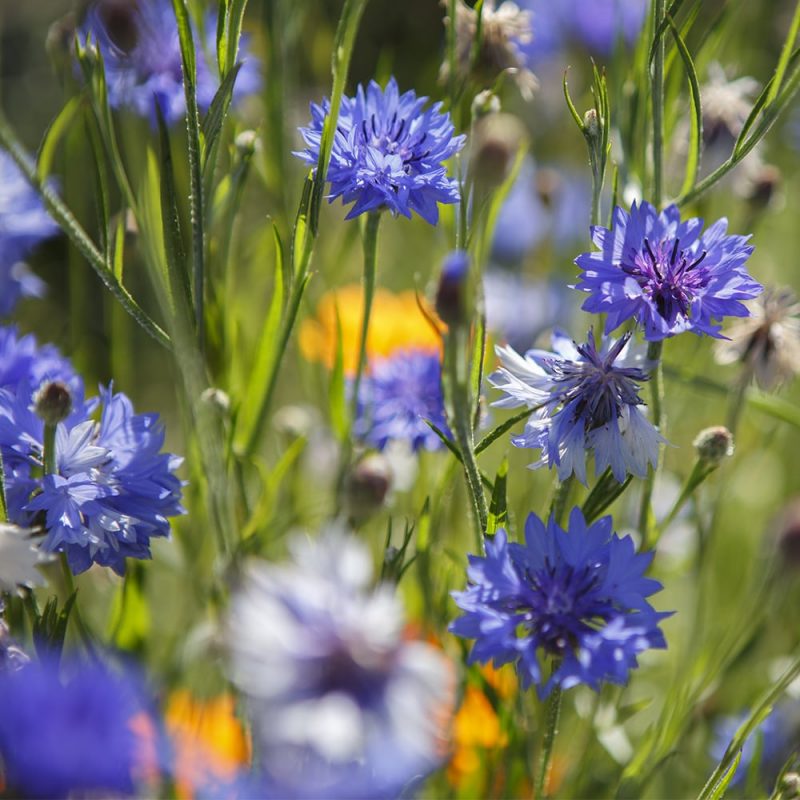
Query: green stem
[[370, 243], [80, 239], [658, 107], [654, 350], [560, 501], [553, 715], [738, 400], [456, 360]]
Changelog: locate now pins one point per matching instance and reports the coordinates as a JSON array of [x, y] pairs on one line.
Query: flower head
[[768, 343], [664, 273], [396, 397], [23, 224], [141, 52], [586, 399], [112, 490], [576, 596], [388, 152], [343, 705], [780, 737], [23, 361], [62, 738], [505, 30]]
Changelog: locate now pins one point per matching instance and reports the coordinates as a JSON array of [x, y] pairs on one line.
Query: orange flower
[[396, 322], [210, 742], [476, 728]]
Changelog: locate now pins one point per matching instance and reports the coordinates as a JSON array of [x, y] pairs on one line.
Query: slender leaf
[[217, 111], [54, 134], [196, 200], [502, 428], [696, 130], [498, 507]]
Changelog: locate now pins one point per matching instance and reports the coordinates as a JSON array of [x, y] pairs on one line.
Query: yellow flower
[[210, 742], [396, 322]]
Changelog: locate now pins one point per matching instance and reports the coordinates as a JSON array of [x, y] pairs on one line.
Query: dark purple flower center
[[341, 673], [562, 603], [670, 277], [594, 387], [392, 137]]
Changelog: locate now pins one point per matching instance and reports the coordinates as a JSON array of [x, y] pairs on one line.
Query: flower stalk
[[553, 715]]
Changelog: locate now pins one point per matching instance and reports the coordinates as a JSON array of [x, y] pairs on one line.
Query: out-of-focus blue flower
[[599, 25], [23, 361], [396, 397], [576, 597], [141, 52], [518, 309], [388, 152], [665, 274], [587, 400], [543, 203], [113, 488], [23, 224], [780, 737], [73, 737], [603, 24], [343, 705]]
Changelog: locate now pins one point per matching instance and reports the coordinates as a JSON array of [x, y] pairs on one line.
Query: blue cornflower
[[58, 738], [599, 25], [586, 399], [142, 56], [780, 738], [387, 152], [665, 274], [396, 397], [343, 705], [23, 361], [113, 488], [23, 224], [576, 597]]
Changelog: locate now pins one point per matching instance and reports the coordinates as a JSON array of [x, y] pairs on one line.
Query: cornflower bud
[[497, 140], [53, 402], [713, 445], [367, 486], [451, 302]]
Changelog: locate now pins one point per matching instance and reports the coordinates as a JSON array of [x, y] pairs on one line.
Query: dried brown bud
[[53, 402]]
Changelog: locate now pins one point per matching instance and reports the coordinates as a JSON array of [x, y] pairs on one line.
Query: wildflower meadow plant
[[389, 152], [577, 597], [666, 273], [140, 46], [351, 586], [583, 400]]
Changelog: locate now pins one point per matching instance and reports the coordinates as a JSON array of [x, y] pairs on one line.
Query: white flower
[[18, 559], [342, 704]]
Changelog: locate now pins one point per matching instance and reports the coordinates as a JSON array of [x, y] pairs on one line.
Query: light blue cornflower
[[113, 488], [388, 152], [585, 399]]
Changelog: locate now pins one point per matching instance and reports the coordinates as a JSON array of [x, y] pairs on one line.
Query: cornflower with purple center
[[576, 597], [666, 275], [23, 224], [583, 399], [388, 152], [112, 489], [397, 395], [141, 52]]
